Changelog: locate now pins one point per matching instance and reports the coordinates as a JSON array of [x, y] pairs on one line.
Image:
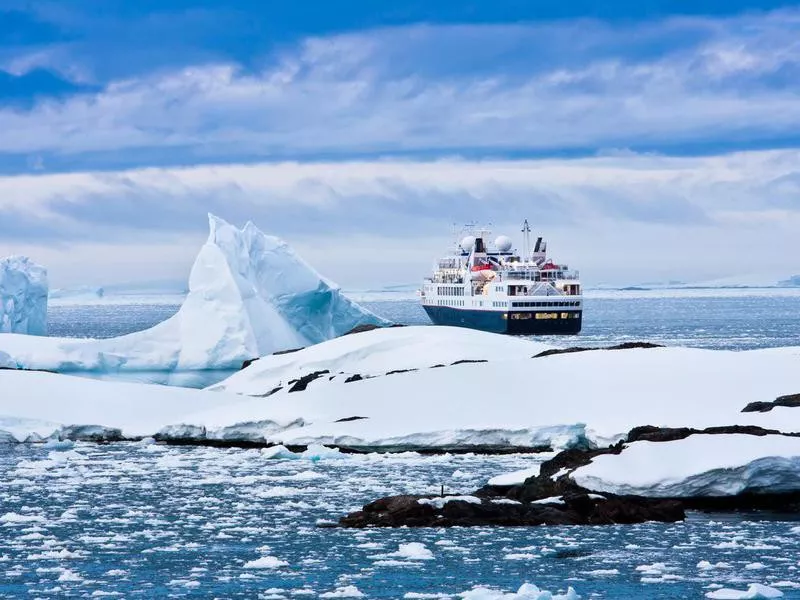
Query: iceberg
[[249, 295], [23, 296]]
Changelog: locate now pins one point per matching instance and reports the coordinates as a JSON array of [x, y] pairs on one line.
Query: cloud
[[442, 89], [655, 214]]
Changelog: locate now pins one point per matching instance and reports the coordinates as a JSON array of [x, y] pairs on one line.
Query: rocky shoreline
[[553, 498]]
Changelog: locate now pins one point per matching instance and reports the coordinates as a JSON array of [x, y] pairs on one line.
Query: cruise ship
[[492, 287]]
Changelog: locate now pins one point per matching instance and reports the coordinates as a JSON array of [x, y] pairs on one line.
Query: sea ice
[[266, 562], [526, 591], [756, 591], [23, 297]]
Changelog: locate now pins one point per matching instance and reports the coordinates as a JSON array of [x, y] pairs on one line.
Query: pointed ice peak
[[265, 267]]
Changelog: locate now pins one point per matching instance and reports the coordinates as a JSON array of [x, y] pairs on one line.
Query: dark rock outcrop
[[579, 509], [550, 498], [790, 401], [649, 433], [370, 327], [348, 419], [299, 385], [573, 349], [469, 361]]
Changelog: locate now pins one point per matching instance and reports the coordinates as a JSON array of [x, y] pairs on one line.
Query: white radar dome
[[503, 243], [467, 243]]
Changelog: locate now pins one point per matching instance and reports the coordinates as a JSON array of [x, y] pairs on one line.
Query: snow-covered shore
[[422, 387]]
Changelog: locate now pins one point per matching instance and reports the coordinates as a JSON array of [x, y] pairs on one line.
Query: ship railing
[[538, 275]]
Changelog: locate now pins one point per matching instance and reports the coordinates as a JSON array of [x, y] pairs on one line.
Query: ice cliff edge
[[251, 289], [249, 295], [23, 296]]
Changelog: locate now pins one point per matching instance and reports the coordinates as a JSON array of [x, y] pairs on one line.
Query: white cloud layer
[[439, 89], [623, 218]]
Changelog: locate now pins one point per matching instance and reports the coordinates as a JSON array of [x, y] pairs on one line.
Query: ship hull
[[512, 323]]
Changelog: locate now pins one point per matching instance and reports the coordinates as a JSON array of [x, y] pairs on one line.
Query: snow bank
[[23, 296], [37, 405], [249, 295], [563, 400], [378, 352], [567, 400], [700, 465]]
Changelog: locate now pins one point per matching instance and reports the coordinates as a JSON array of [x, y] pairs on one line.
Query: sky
[[647, 141]]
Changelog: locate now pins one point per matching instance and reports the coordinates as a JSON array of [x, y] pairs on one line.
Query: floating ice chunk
[[317, 452], [756, 591], [526, 592], [59, 445], [705, 565], [278, 452], [349, 591], [23, 297], [412, 551], [266, 562]]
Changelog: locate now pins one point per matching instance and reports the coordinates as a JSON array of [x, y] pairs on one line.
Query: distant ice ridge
[[23, 296], [249, 295]]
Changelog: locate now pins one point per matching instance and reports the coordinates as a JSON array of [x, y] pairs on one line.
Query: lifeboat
[[481, 267]]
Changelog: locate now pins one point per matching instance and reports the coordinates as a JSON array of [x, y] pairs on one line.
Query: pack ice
[[23, 296], [249, 295]]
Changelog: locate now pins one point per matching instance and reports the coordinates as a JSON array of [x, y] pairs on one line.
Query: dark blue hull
[[511, 322]]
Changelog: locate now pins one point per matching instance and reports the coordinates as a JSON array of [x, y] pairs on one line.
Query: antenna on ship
[[526, 239]]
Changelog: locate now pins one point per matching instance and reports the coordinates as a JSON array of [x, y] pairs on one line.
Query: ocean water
[[148, 521], [740, 321]]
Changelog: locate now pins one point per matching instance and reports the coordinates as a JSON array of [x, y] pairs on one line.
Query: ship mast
[[526, 240]]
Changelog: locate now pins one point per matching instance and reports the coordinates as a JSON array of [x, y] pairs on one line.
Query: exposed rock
[[468, 361], [650, 433], [289, 351], [248, 362], [369, 327], [790, 401], [624, 346], [353, 378], [274, 390], [299, 385], [348, 419], [398, 371], [400, 511]]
